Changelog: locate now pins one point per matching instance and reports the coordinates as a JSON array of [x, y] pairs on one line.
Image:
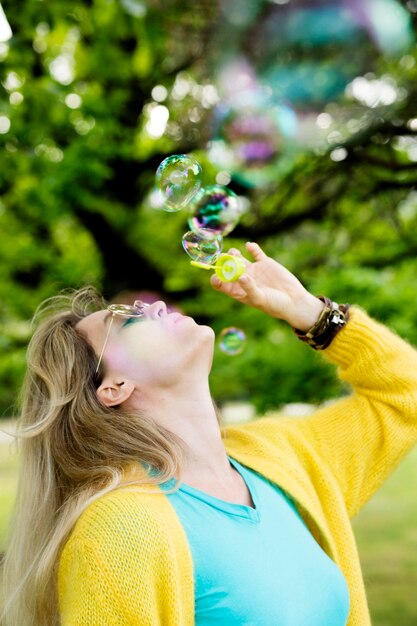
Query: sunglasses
[[124, 311]]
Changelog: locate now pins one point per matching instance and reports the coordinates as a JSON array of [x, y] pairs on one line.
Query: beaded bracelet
[[332, 319]]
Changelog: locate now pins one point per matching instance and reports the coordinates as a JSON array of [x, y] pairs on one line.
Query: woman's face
[[153, 349]]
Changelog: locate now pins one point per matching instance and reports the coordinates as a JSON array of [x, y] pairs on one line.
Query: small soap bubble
[[216, 208], [178, 179], [232, 341], [203, 246]]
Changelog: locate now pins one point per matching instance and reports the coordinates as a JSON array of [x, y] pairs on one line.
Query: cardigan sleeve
[[363, 437], [126, 563]]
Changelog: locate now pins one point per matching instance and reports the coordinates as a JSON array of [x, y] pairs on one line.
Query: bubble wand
[[228, 268]]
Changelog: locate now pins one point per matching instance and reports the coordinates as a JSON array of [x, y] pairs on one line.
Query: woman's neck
[[192, 416]]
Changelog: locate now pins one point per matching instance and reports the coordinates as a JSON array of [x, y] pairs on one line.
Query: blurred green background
[[310, 116], [306, 110]]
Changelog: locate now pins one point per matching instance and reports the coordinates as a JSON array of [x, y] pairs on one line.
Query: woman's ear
[[112, 393]]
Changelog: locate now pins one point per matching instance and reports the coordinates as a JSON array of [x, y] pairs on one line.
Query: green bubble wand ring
[[228, 268]]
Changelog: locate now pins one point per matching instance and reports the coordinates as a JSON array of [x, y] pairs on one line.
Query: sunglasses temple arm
[[105, 344]]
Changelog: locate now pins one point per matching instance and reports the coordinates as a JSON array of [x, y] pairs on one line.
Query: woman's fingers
[[253, 292], [255, 250], [245, 288], [221, 285], [215, 281], [232, 289], [236, 252]]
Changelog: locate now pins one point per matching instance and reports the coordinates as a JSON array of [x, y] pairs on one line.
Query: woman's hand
[[270, 287]]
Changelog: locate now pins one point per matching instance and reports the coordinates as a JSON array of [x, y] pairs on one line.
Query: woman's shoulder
[[122, 542], [273, 423], [124, 515]]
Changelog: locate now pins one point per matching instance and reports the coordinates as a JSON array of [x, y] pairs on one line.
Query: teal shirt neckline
[[231, 508], [257, 565]]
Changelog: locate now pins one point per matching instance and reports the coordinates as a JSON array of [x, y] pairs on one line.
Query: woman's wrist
[[333, 318], [308, 313]]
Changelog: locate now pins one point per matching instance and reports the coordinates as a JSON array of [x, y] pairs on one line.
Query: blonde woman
[[136, 508]]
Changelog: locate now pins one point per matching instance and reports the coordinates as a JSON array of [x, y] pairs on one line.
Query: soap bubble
[[203, 246], [250, 135], [296, 61], [216, 208], [256, 127], [232, 341], [178, 179], [302, 51]]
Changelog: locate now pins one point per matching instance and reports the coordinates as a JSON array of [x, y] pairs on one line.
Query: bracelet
[[332, 319]]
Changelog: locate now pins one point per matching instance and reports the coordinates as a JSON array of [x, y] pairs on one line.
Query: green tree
[[78, 161]]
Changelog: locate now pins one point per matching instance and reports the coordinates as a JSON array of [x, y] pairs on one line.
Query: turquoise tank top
[[258, 566]]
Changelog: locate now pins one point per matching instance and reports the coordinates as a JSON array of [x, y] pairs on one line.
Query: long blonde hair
[[73, 450]]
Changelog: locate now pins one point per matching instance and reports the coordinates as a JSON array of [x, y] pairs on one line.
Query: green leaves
[[77, 168]]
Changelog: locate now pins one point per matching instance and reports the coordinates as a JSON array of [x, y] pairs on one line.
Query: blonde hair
[[73, 450]]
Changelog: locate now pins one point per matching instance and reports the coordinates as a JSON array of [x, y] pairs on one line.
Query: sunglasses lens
[[125, 310]]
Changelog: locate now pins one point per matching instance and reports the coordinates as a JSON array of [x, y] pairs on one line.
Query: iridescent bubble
[[216, 208], [232, 340], [250, 131], [178, 179], [300, 56], [203, 246], [257, 131]]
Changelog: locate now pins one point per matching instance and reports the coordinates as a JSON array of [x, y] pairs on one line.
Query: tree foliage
[[77, 170]]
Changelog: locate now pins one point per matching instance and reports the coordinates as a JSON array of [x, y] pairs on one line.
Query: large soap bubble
[[178, 179], [307, 52], [203, 246], [232, 340], [251, 133], [215, 207], [286, 72]]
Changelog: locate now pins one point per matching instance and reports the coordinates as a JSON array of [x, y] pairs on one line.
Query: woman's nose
[[156, 309]]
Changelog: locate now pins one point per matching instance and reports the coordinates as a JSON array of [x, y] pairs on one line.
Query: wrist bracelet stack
[[332, 319]]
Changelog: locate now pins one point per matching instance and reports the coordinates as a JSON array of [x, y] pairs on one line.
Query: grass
[[386, 531]]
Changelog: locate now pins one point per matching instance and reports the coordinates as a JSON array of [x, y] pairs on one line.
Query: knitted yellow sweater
[[127, 561]]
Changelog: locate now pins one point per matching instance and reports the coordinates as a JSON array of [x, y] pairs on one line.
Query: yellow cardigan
[[127, 561]]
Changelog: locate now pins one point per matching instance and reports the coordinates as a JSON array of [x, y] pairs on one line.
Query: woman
[[134, 507]]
